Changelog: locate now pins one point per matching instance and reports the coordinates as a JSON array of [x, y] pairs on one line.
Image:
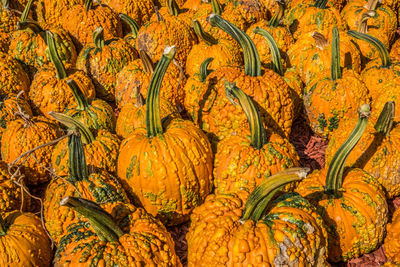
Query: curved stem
[[80, 98], [262, 195], [88, 5], [216, 7], [98, 38], [73, 124], [275, 54], [173, 8], [334, 178], [139, 98], [383, 52], [252, 64], [100, 220], [321, 3], [27, 8], [384, 123], [336, 72], [372, 4], [146, 61], [202, 34], [276, 18], [32, 25], [3, 226], [77, 160], [153, 118], [132, 24], [320, 40], [54, 57], [204, 71], [363, 26], [258, 138]]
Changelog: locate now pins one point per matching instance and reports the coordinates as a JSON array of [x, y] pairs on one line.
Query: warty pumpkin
[[337, 4], [168, 170], [395, 50], [351, 202], [49, 90], [4, 41], [97, 186], [243, 162], [229, 231], [140, 11], [52, 12], [126, 237], [8, 17], [392, 243], [23, 241], [13, 78]]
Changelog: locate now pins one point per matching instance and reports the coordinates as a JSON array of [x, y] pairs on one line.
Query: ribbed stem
[[27, 8], [88, 5], [146, 61], [262, 195], [101, 221], [204, 71], [158, 15], [153, 118], [216, 7], [320, 40], [33, 26], [77, 160], [384, 123], [258, 137], [276, 18], [173, 8], [383, 52], [71, 123], [363, 26], [80, 98], [252, 64], [334, 178], [3, 226], [321, 3], [336, 72], [273, 47], [54, 57], [98, 38], [202, 34], [372, 4], [132, 24]]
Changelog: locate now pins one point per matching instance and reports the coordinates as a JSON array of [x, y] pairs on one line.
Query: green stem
[[275, 54], [98, 38], [363, 26], [202, 34], [321, 3], [336, 72], [146, 61], [80, 98], [383, 52], [3, 227], [54, 57], [132, 24], [173, 8], [77, 160], [100, 220], [88, 5], [71, 123], [216, 7], [262, 195], [252, 64], [204, 71], [258, 137], [32, 25], [276, 18], [153, 118], [334, 178], [384, 123], [27, 8]]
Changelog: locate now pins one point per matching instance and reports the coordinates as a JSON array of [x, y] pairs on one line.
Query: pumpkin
[[376, 152], [24, 134], [102, 60], [130, 37], [136, 77], [140, 11], [98, 186], [169, 170], [52, 12], [4, 41], [13, 78], [82, 20], [49, 90], [242, 163], [136, 239], [227, 230], [101, 148], [337, 4], [352, 203], [23, 241], [391, 243], [8, 17], [329, 101]]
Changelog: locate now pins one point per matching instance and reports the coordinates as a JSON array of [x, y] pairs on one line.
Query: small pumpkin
[[140, 11], [8, 17], [52, 12], [13, 78]]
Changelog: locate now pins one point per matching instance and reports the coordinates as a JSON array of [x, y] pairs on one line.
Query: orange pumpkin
[[13, 78], [140, 11]]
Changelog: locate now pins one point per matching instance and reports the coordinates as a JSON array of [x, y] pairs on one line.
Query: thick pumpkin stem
[[3, 226], [27, 9], [173, 8], [33, 26], [383, 52], [61, 73], [98, 38], [321, 3], [258, 201], [372, 4], [146, 61], [276, 18], [100, 220], [258, 137], [153, 118], [204, 71], [252, 64], [71, 123], [202, 34], [80, 98], [336, 72], [131, 23], [334, 178], [320, 40], [77, 160], [273, 47], [363, 25], [384, 123], [216, 7], [88, 5]]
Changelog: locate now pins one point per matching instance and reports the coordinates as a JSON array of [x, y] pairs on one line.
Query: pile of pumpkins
[[137, 115]]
